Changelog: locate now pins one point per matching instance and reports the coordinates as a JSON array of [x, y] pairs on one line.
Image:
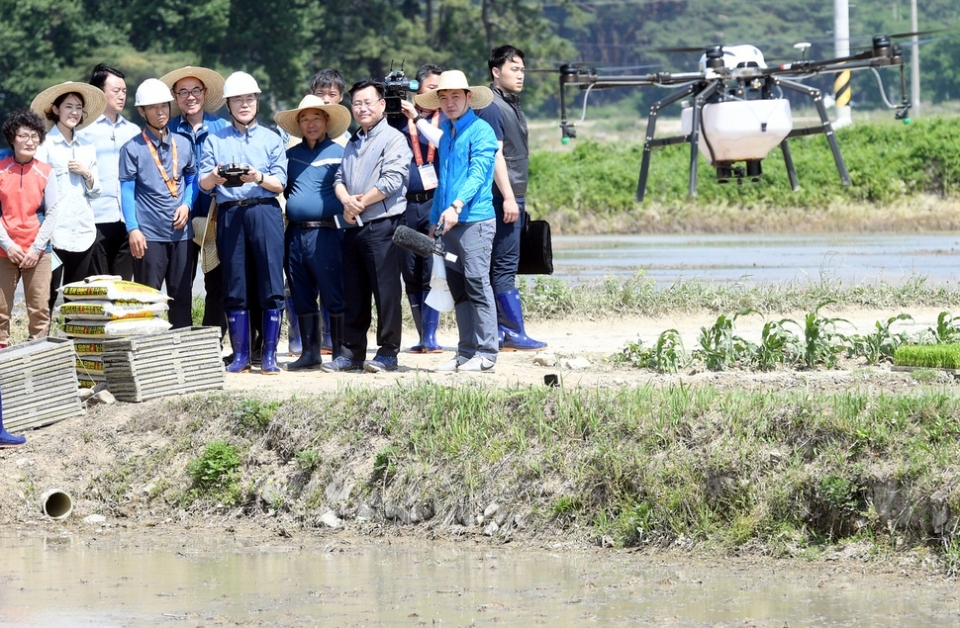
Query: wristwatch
[[457, 208], [260, 182]]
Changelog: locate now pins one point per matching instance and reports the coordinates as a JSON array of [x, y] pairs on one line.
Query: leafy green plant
[[947, 330], [669, 356], [216, 467], [822, 343], [881, 344], [255, 414], [634, 354], [384, 465], [308, 459], [778, 345], [720, 347]]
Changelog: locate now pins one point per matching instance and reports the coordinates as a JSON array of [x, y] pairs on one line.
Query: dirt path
[[569, 339]]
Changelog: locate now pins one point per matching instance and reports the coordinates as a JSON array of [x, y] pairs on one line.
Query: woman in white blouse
[[67, 108]]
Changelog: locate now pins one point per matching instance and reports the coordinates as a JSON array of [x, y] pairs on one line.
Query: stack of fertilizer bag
[[105, 307]]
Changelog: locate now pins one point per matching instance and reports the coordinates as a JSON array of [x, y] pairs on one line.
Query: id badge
[[428, 176]]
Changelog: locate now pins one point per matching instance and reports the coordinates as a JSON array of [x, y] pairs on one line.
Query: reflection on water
[[751, 258], [62, 582]]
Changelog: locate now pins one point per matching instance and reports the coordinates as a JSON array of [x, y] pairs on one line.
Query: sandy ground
[[569, 339]]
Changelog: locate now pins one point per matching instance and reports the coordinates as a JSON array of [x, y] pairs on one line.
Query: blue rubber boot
[[326, 346], [294, 344], [272, 319], [238, 322], [430, 320], [8, 440], [510, 319], [310, 331], [415, 299]]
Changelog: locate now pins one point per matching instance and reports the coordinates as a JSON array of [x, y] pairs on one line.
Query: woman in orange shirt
[[28, 201]]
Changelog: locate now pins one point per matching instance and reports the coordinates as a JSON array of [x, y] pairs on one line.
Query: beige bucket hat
[[455, 79], [94, 102], [212, 80], [205, 236], [338, 117]]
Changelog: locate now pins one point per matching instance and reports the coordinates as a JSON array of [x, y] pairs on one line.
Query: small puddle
[[62, 581]]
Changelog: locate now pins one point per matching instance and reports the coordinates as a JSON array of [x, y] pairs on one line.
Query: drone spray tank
[[739, 124]]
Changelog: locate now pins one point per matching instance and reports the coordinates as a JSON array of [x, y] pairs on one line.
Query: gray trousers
[[469, 281]]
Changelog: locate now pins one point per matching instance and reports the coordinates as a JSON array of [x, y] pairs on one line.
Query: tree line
[[284, 42]]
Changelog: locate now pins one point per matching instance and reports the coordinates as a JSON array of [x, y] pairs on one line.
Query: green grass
[[779, 470]]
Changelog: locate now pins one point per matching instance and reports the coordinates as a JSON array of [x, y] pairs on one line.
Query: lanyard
[[171, 185], [415, 140]]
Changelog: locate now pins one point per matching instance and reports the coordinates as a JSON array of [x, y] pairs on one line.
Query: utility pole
[[841, 45], [914, 62]]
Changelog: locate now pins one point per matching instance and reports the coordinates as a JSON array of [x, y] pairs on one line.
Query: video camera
[[395, 88]]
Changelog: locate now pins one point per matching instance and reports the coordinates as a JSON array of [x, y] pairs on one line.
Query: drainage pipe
[[56, 503]]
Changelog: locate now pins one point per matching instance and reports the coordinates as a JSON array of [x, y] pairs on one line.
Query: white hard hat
[[152, 92], [238, 84]]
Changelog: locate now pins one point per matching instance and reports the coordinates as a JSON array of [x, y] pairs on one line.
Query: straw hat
[[205, 236], [213, 81], [94, 102], [338, 117], [455, 79]]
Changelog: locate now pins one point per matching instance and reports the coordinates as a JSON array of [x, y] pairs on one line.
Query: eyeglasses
[[195, 92], [243, 100], [28, 137], [360, 105]]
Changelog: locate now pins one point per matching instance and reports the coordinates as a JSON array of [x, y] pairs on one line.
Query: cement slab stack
[[38, 382], [174, 362]]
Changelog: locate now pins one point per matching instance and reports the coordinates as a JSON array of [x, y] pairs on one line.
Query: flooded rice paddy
[[64, 581]]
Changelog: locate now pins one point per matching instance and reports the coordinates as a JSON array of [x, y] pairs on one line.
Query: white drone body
[[739, 129]]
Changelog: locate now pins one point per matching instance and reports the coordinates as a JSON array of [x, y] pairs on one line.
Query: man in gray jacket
[[372, 185]]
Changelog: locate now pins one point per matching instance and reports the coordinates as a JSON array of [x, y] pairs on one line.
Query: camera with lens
[[232, 173], [395, 88]]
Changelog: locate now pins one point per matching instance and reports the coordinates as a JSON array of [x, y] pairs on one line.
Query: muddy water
[[754, 258], [64, 581]]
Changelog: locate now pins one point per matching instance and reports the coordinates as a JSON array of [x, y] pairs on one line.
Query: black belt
[[248, 202], [420, 197], [314, 224]]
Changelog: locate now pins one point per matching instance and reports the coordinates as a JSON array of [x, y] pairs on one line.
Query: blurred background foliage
[[285, 41]]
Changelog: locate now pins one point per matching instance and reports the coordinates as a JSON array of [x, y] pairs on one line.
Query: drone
[[735, 111]]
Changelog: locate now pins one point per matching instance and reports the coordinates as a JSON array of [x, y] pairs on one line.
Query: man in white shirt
[[108, 133]]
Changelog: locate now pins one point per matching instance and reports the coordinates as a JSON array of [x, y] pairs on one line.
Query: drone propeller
[[917, 33]]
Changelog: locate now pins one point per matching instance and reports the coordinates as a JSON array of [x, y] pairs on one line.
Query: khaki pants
[[36, 291]]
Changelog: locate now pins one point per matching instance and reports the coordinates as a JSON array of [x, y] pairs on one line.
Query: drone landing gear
[[825, 127], [705, 93]]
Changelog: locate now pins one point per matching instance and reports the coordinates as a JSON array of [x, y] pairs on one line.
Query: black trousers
[[75, 267], [111, 251], [371, 267], [170, 263]]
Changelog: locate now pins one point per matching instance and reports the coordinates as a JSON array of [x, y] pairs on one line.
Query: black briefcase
[[536, 247]]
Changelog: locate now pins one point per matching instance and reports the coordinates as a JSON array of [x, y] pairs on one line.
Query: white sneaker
[[477, 364], [451, 366]]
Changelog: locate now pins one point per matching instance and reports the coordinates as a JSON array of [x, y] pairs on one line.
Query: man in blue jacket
[[464, 216]]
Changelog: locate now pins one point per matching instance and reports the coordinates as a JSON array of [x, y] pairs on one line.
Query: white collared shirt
[[76, 229], [108, 138]]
